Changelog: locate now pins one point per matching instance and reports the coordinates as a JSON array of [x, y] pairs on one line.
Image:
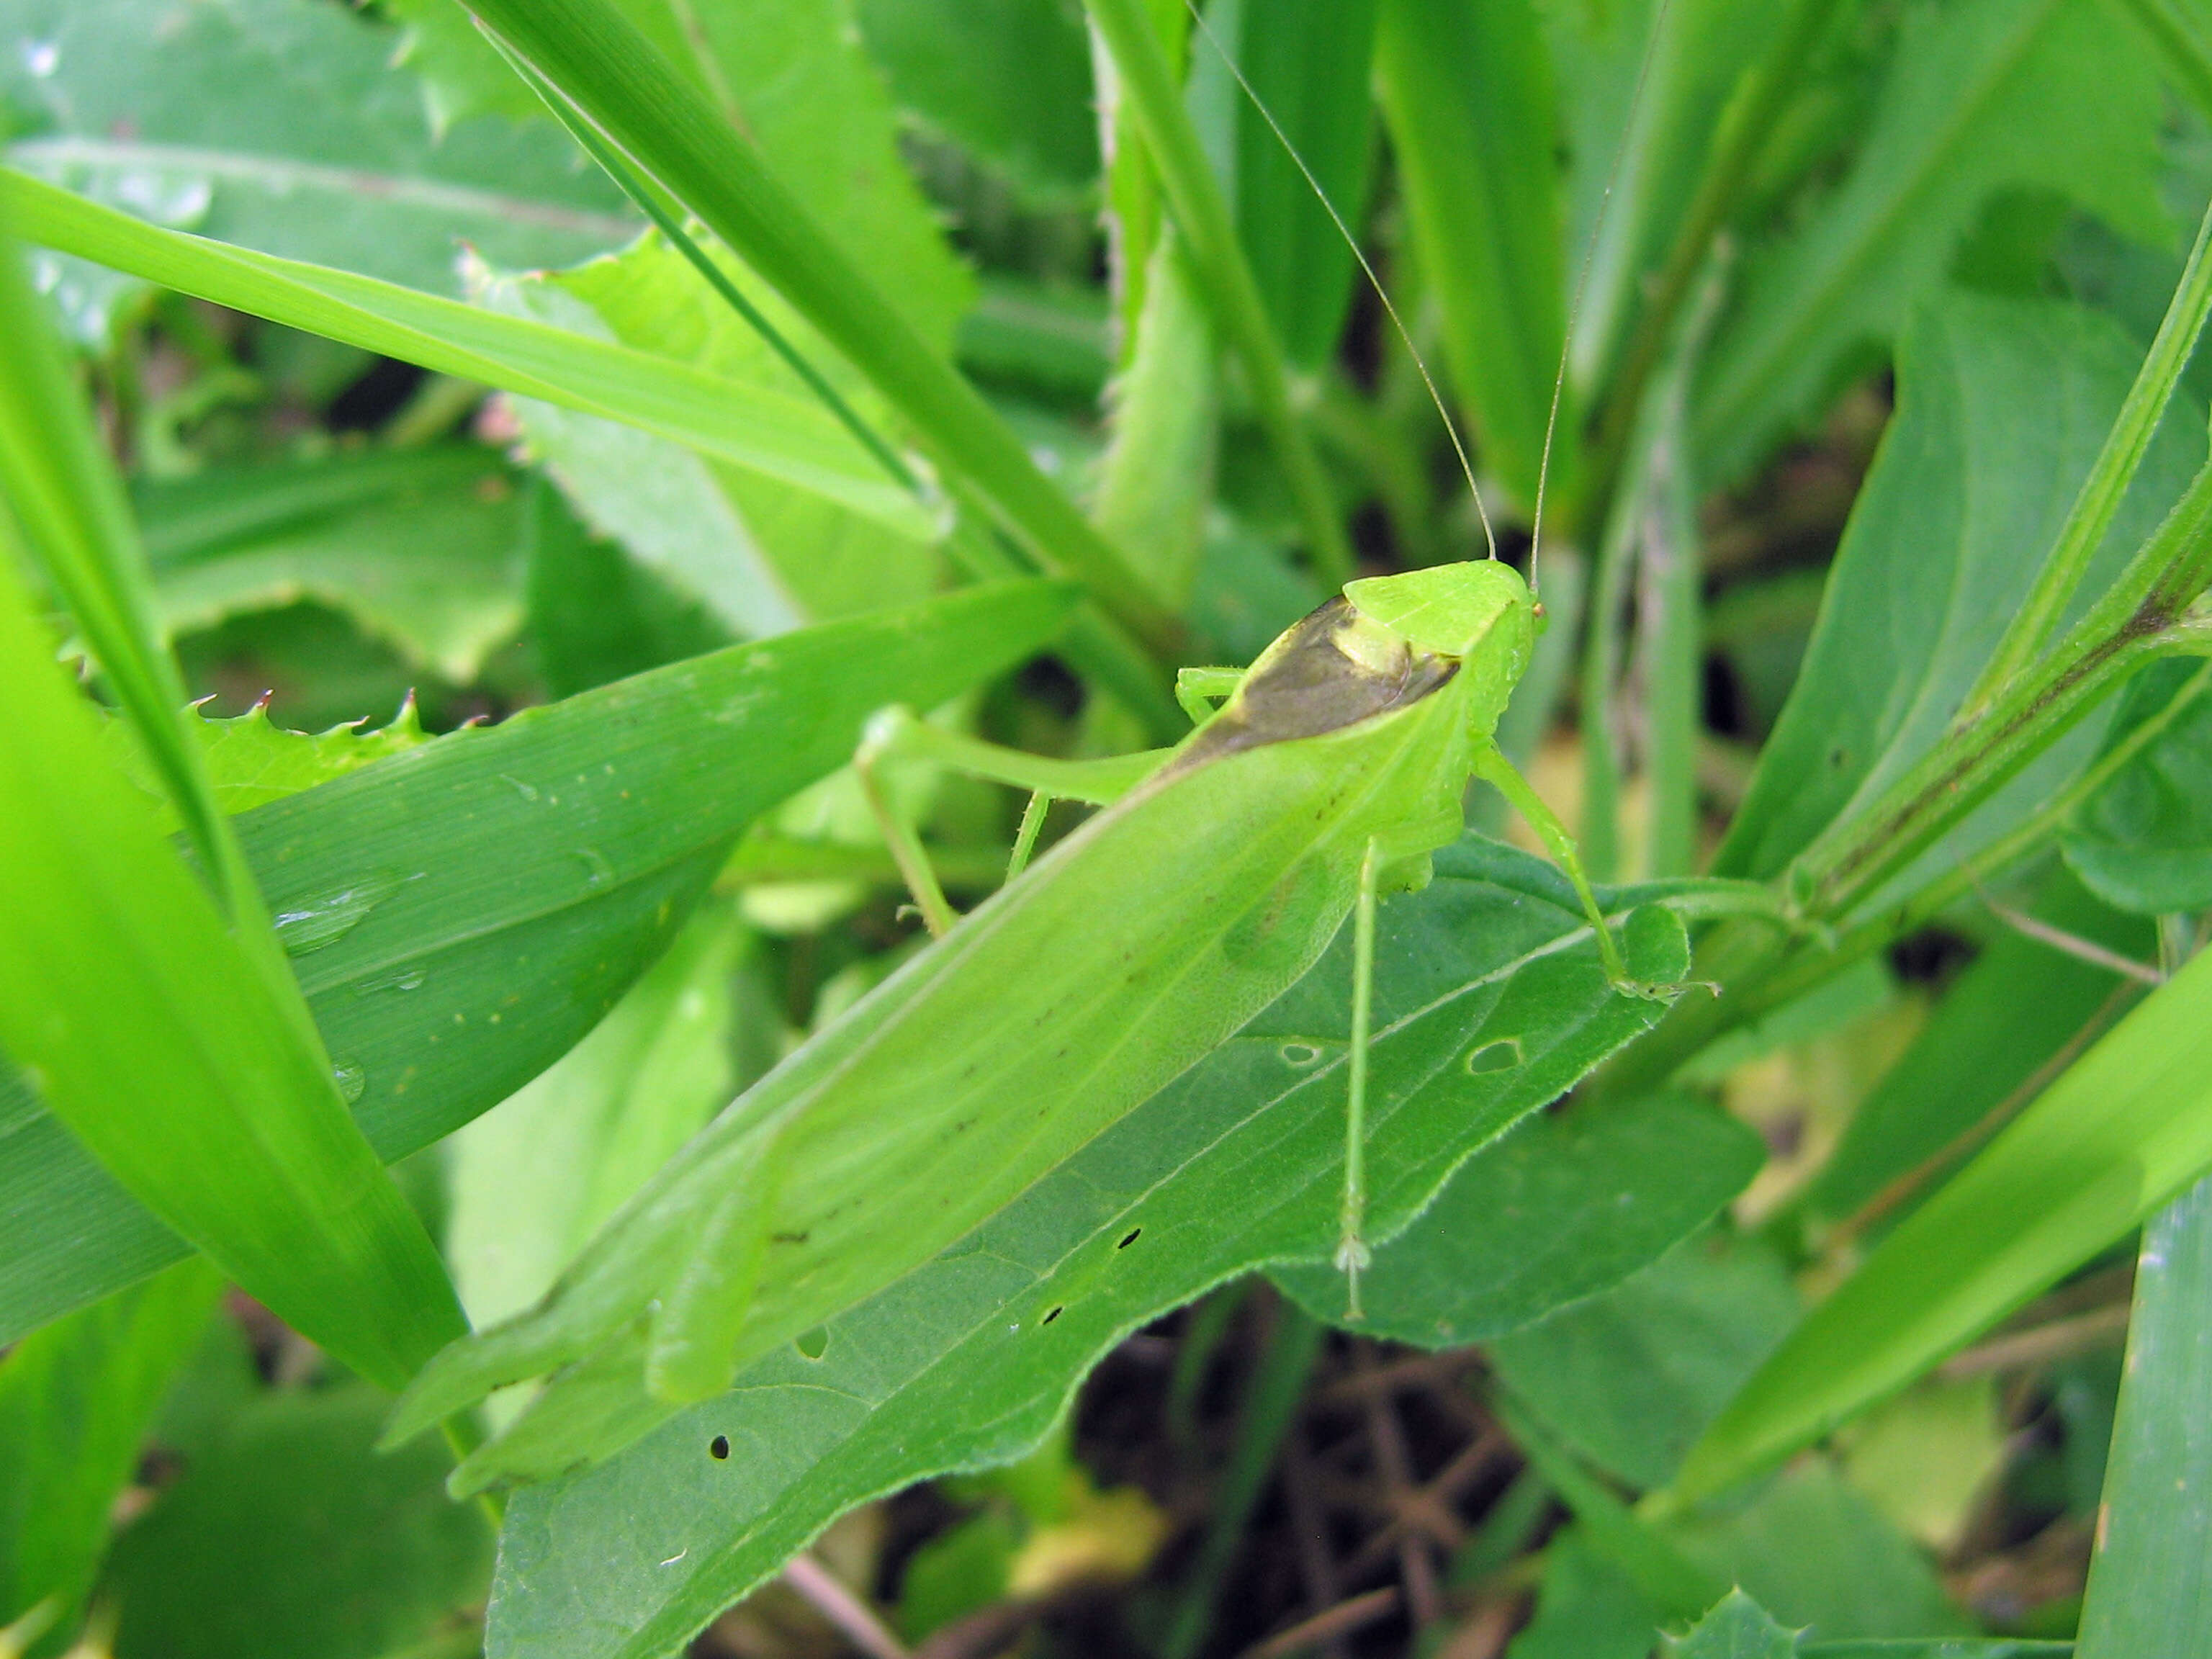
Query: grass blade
[[760, 430], [171, 1056], [2150, 1585], [616, 78]]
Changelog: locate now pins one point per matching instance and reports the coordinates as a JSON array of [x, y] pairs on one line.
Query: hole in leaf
[[814, 1343], [1129, 1238], [1502, 1055], [1300, 1054], [719, 1448], [1054, 1314]]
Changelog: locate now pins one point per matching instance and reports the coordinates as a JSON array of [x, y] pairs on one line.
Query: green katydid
[[1141, 941], [1214, 877]]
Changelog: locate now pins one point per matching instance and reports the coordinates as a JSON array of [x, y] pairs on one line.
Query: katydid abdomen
[[1127, 953]]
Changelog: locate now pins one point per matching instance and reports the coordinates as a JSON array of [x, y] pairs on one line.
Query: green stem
[[1601, 655], [1194, 196], [2135, 621], [1761, 977], [2098, 501], [1744, 126]]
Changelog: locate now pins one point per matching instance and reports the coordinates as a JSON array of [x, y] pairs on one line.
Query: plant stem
[[1194, 196]]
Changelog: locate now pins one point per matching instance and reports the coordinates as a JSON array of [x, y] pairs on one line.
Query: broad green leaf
[[2143, 842], [251, 762], [422, 549], [534, 1177], [171, 1054], [1823, 1559], [2126, 1128], [764, 557], [2150, 1585], [748, 427], [1010, 80], [2020, 1002], [1586, 1608], [969, 1360], [75, 1399], [1565, 1206], [1308, 62], [281, 126], [2009, 93], [286, 1534], [461, 913], [596, 614], [2002, 407], [1629, 1378], [1739, 1628], [1466, 89]]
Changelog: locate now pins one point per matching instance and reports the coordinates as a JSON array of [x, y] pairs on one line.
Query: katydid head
[[1479, 614]]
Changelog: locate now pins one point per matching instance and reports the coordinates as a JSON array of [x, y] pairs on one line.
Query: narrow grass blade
[[173, 1057], [2125, 1128], [760, 430], [2150, 1585]]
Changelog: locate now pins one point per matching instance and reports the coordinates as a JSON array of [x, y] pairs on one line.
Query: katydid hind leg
[[1353, 1254]]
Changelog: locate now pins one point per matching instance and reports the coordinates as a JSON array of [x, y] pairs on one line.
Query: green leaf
[[1008, 79], [422, 549], [173, 1055], [2143, 842], [786, 439], [533, 1178], [1629, 1378], [281, 126], [251, 762], [619, 81], [763, 557], [1587, 1607], [1822, 1556], [2002, 407], [2150, 1586], [1466, 90], [287, 1533], [969, 1360], [556, 853], [2018, 1003], [75, 1399], [1565, 1206], [2126, 1128], [596, 614], [2011, 92], [1739, 1628], [1309, 63]]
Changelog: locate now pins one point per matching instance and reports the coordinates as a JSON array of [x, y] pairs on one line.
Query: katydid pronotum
[[1214, 877]]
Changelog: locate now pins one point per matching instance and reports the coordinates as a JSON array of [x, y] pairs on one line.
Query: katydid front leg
[[1491, 765]]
